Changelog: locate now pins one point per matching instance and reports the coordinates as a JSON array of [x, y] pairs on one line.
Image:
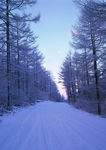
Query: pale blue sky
[[54, 30]]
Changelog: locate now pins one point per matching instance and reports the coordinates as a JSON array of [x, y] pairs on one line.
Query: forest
[[53, 77], [23, 78], [84, 72]]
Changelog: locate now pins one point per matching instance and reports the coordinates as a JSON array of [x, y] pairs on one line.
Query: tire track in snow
[[52, 126]]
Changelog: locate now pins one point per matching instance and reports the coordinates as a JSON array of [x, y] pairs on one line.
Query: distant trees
[[87, 63], [22, 75], [67, 75]]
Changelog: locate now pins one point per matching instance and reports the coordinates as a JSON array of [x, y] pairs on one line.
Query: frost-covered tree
[[8, 10], [67, 75], [89, 59], [22, 75]]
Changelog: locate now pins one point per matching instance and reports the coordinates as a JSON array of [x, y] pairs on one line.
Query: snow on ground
[[52, 126]]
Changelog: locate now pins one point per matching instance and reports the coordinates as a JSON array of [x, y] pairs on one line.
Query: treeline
[[23, 79], [84, 73]]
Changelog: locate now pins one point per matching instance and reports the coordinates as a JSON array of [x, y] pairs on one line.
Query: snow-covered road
[[52, 126]]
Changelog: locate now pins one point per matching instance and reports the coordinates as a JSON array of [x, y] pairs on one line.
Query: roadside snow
[[52, 126]]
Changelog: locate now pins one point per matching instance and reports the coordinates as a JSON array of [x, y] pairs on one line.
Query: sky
[[54, 30]]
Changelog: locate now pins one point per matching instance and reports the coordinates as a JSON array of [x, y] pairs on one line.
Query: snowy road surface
[[52, 126]]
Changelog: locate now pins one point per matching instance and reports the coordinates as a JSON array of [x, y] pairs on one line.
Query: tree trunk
[[27, 80], [86, 64], [8, 50], [96, 74], [18, 60]]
